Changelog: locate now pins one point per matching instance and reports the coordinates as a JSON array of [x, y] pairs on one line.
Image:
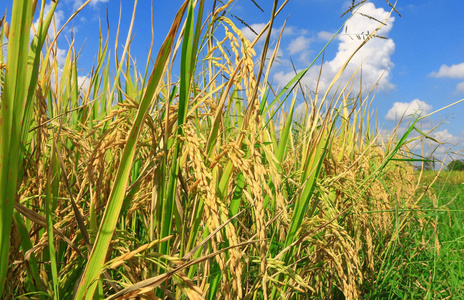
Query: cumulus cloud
[[61, 57], [445, 150], [460, 87], [375, 56], [278, 60], [453, 71], [300, 46], [249, 34], [325, 35], [293, 30], [95, 2], [258, 27], [445, 136], [83, 82], [402, 109], [78, 3]]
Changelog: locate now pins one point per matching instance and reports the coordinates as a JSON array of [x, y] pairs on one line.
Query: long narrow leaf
[[12, 110]]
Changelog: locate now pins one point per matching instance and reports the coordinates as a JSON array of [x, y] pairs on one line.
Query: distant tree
[[456, 165], [429, 164]]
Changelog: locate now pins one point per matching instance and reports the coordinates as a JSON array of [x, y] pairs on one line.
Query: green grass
[[447, 264], [428, 263], [444, 177]]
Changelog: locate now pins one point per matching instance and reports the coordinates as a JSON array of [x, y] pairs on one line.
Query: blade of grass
[[188, 59], [48, 211]]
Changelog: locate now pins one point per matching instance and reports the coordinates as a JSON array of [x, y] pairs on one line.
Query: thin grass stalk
[[50, 195]]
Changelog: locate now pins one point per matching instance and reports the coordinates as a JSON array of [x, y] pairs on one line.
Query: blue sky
[[422, 61]]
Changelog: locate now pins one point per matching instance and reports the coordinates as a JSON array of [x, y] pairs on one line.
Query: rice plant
[[198, 183]]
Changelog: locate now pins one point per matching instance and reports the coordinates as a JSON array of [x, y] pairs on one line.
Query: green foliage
[[437, 272], [456, 165], [429, 163]]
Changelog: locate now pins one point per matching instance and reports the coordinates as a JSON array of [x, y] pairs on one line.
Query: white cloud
[[429, 148], [444, 136], [301, 110], [375, 56], [258, 27], [83, 82], [279, 55], [61, 57], [250, 35], [293, 30], [453, 71], [278, 60], [325, 35], [59, 18], [460, 87], [447, 149], [78, 3], [95, 2], [299, 44], [401, 109], [282, 78]]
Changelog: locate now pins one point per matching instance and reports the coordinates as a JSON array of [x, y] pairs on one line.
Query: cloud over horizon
[[258, 27], [454, 72], [300, 46], [78, 3], [407, 109]]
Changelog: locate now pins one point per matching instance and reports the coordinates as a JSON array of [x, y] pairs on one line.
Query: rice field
[[205, 183]]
